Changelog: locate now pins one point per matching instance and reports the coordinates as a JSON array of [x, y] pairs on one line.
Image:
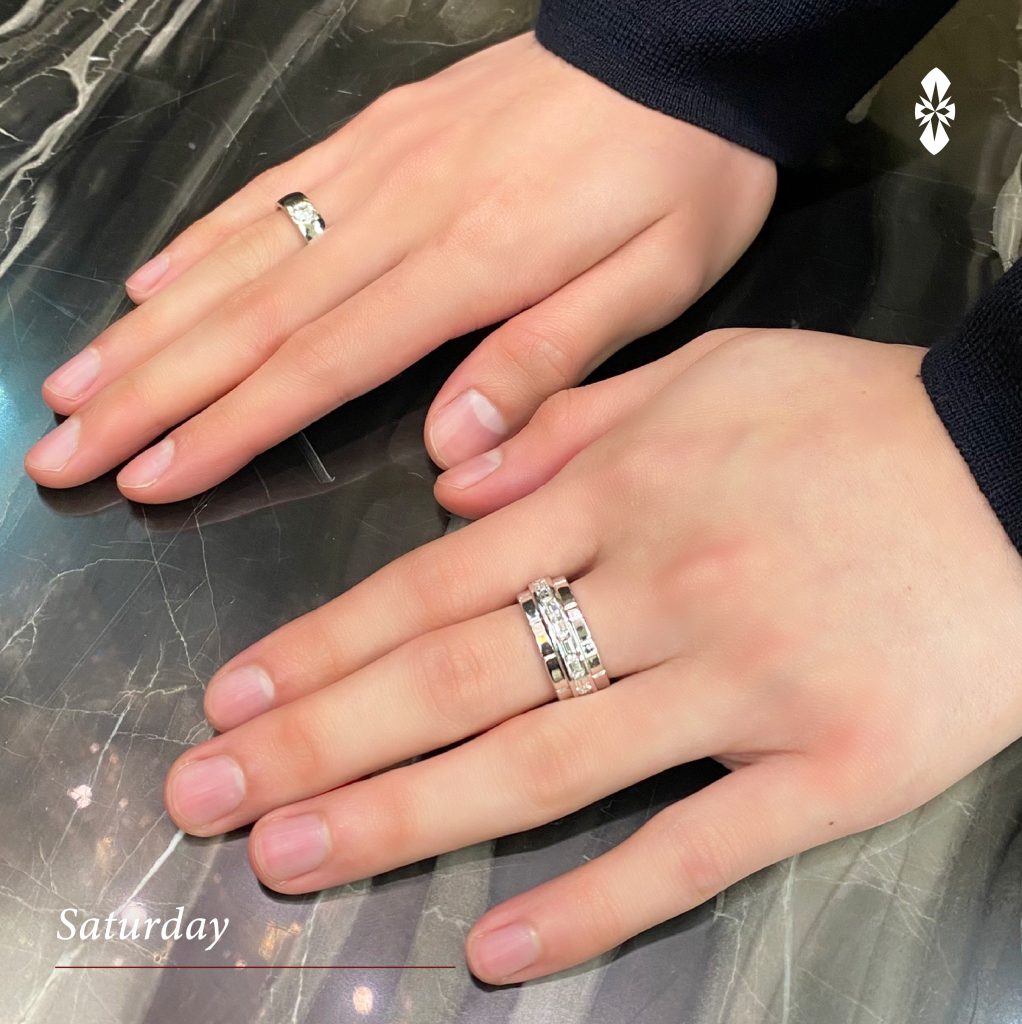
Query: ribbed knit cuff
[[974, 380], [592, 46], [775, 76]]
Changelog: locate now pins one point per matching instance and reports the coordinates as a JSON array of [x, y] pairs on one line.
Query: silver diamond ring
[[562, 634], [298, 206]]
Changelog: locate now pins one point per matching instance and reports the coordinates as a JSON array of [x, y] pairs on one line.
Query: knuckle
[[393, 102], [708, 569], [543, 355], [437, 578], [312, 360], [206, 234], [452, 679], [129, 397], [631, 471], [700, 860], [293, 748], [396, 826], [483, 225], [257, 314], [425, 161], [551, 770], [271, 183], [718, 336], [557, 412], [248, 253]]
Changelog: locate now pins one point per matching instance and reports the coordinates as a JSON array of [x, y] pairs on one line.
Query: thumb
[[561, 427], [553, 345]]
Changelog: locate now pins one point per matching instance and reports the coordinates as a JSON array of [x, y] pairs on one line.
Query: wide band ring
[[590, 654], [551, 660], [562, 634], [298, 206]]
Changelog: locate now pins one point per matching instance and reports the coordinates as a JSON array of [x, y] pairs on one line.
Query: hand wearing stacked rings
[[509, 187], [763, 548]]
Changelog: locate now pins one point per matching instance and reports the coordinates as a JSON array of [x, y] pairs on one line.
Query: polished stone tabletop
[[122, 120]]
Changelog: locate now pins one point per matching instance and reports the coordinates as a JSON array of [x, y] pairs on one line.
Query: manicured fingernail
[[505, 951], [148, 274], [468, 474], [149, 466], [466, 426], [206, 790], [239, 695], [54, 451], [76, 375], [290, 847]]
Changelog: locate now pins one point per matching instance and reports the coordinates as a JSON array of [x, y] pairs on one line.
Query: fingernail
[[149, 466], [239, 695], [290, 847], [466, 426], [76, 375], [206, 790], [468, 474], [148, 274], [54, 451], [505, 951]]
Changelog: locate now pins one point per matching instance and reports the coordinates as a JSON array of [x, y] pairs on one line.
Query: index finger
[[460, 576]]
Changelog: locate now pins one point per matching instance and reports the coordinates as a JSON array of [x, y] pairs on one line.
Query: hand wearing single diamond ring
[[510, 187], [774, 555]]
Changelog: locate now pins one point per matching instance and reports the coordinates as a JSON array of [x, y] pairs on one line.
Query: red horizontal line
[[255, 967]]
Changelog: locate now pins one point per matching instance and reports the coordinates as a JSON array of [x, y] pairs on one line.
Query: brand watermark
[[935, 111]]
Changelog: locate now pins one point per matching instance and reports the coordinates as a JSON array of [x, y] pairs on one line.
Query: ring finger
[[432, 691]]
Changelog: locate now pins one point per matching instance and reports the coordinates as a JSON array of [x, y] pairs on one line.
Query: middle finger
[[434, 690]]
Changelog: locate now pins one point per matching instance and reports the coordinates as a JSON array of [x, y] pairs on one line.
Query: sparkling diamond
[[305, 212]]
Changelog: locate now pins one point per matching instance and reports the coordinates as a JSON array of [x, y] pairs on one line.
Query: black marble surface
[[120, 122]]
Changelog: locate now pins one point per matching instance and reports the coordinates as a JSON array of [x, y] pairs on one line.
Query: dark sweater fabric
[[974, 379], [776, 76]]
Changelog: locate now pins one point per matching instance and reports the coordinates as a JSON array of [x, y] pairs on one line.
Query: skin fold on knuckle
[[256, 318], [696, 859], [311, 362], [286, 751], [553, 769], [377, 827], [125, 408], [542, 357], [560, 414], [453, 681], [436, 579], [250, 252]]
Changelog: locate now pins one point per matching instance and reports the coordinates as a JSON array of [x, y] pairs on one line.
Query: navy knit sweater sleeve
[[776, 76]]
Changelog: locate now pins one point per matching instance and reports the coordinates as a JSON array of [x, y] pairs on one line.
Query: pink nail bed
[[54, 451], [505, 951], [467, 425], [239, 695], [469, 473], [206, 790], [289, 847], [149, 273], [76, 376], [148, 467]]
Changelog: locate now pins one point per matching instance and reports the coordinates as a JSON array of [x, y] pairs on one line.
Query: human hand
[[510, 186], [787, 566]]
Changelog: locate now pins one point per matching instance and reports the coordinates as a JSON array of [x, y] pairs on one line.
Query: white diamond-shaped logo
[[935, 111]]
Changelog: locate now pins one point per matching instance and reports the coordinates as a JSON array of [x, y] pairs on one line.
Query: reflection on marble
[[122, 120]]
